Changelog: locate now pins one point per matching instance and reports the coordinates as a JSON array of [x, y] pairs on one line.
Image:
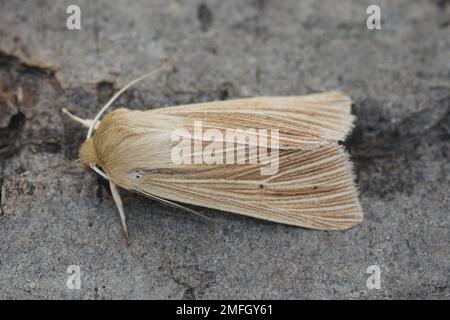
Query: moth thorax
[[87, 152]]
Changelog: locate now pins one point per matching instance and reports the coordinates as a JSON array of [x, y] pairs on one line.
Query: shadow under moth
[[311, 186]]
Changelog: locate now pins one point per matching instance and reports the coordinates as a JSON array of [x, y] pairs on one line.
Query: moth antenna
[[84, 122], [118, 200], [173, 204], [166, 64], [169, 63]]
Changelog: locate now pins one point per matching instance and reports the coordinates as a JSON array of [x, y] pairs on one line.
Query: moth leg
[[118, 201], [84, 122]]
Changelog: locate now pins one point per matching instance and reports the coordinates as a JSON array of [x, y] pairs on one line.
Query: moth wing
[[311, 188], [304, 122]]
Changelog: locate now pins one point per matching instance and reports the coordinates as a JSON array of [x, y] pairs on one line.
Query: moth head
[[87, 154]]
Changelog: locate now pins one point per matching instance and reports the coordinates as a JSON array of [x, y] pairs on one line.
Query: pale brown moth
[[312, 188]]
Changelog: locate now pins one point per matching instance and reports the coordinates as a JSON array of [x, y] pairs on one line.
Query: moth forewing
[[304, 122], [313, 188]]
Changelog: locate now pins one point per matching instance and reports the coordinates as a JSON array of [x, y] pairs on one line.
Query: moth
[[312, 185]]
